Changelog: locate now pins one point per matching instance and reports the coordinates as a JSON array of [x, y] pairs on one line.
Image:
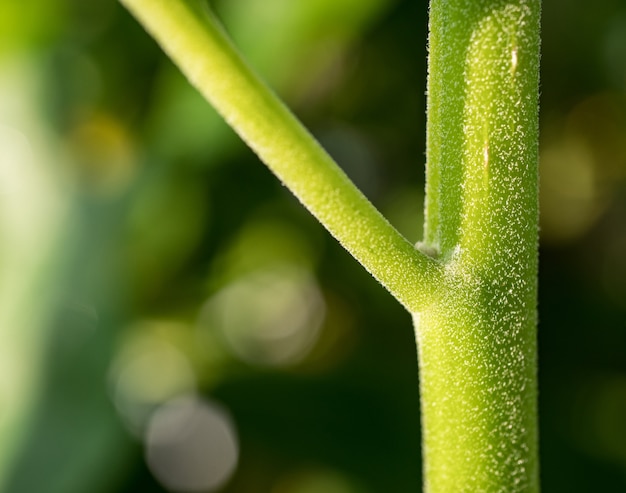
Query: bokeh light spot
[[317, 481], [582, 167], [104, 153], [191, 445], [567, 191], [147, 374], [269, 317]]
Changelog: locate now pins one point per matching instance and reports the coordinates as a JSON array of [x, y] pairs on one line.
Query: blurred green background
[[171, 319]]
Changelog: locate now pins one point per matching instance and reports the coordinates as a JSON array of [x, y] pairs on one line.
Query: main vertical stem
[[477, 343]]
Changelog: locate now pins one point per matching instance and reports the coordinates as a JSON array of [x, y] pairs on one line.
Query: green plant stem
[[475, 306], [191, 36], [477, 345]]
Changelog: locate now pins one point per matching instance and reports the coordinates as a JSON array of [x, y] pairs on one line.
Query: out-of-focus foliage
[[172, 320]]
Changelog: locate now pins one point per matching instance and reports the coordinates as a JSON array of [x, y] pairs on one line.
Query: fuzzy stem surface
[[477, 344]]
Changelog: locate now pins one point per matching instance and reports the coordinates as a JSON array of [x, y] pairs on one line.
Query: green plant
[[471, 284]]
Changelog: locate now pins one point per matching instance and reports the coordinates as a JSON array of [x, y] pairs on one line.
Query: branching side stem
[[193, 39], [475, 306]]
